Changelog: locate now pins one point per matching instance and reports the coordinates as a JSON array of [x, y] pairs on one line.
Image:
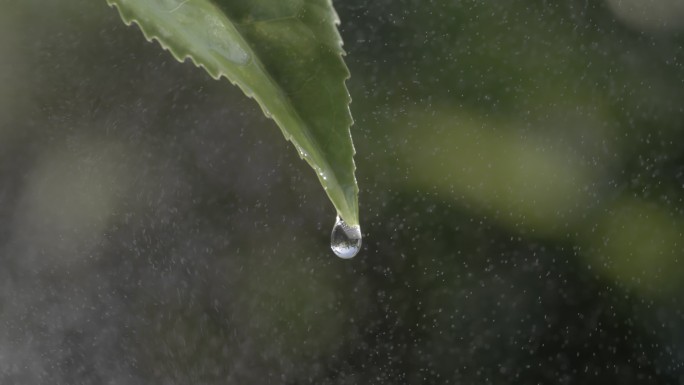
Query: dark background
[[521, 166]]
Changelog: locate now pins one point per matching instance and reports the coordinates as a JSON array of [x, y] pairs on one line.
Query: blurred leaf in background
[[522, 169]]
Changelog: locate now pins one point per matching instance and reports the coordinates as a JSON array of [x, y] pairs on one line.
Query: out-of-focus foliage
[[287, 55], [521, 166]]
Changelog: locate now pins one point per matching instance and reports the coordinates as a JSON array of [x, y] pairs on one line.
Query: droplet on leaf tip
[[345, 240]]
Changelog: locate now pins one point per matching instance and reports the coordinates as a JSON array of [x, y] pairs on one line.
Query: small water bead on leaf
[[345, 240]]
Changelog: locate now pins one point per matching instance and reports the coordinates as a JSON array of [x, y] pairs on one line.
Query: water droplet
[[345, 240]]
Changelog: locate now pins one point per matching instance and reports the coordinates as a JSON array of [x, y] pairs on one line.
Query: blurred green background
[[521, 166]]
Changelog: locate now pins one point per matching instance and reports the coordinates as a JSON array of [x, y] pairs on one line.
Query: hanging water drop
[[345, 240]]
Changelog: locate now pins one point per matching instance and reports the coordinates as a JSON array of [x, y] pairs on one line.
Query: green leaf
[[286, 54]]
